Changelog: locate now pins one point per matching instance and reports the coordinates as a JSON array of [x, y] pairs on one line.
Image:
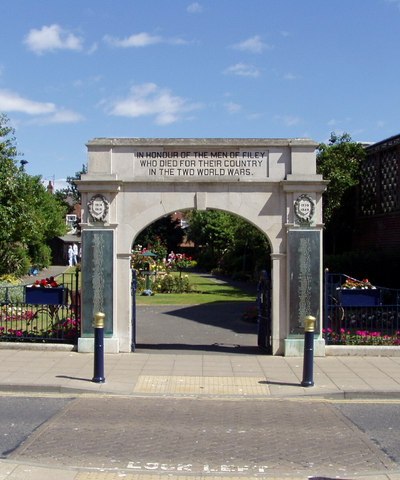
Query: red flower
[[46, 283]]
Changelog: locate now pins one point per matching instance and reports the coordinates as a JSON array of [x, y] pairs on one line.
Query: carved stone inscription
[[304, 254], [97, 280], [244, 163]]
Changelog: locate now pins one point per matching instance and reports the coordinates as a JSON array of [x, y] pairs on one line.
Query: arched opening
[[224, 307], [272, 183]]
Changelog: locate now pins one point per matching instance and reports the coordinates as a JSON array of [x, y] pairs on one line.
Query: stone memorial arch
[[271, 183]]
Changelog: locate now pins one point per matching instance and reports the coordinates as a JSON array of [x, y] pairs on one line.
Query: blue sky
[[73, 70]]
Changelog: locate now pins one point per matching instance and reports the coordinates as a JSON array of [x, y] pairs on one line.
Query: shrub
[[359, 337], [14, 258], [11, 293], [172, 284]]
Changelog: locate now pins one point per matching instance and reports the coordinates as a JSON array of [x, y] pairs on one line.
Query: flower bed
[[359, 298], [359, 337], [45, 296], [45, 292], [358, 293]]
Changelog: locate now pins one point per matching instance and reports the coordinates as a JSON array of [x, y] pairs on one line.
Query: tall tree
[[339, 162], [70, 194], [29, 214], [228, 242]]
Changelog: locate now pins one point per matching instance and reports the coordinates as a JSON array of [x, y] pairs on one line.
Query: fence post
[[309, 328], [98, 324]]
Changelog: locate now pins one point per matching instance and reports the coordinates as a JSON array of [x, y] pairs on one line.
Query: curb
[[65, 390], [50, 347], [362, 351]]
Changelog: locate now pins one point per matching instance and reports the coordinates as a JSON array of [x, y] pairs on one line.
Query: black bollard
[[308, 361], [98, 324]]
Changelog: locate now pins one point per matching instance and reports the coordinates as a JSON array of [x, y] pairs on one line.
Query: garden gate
[[264, 336], [271, 183]]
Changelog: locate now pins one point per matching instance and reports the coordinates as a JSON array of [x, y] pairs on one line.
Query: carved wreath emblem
[[98, 208], [304, 209]]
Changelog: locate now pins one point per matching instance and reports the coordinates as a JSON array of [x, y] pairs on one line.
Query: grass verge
[[204, 290]]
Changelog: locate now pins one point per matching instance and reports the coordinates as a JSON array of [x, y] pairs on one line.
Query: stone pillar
[[97, 286], [278, 302], [305, 287], [123, 302]]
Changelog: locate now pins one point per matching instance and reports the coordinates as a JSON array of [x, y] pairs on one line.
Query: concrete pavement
[[232, 376], [229, 375], [180, 374]]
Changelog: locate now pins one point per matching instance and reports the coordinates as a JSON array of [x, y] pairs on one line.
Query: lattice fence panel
[[389, 182], [369, 187]]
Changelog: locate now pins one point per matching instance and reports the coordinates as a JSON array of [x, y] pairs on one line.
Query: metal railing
[[28, 315], [369, 316]]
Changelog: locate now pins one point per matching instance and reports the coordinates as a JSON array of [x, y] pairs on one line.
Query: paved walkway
[[233, 375], [255, 376], [54, 270], [163, 375]]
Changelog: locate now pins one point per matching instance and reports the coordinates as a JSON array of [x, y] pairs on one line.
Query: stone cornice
[[203, 142]]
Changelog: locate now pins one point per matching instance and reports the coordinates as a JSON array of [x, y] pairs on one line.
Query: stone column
[[304, 288], [97, 286], [278, 302], [123, 302]]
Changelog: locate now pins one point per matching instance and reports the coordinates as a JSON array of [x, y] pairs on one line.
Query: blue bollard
[[98, 324], [308, 360]]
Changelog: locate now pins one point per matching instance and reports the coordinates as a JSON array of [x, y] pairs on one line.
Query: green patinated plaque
[[305, 277], [97, 278]]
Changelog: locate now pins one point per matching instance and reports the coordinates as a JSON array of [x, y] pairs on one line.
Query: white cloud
[[396, 2], [195, 7], [139, 40], [93, 48], [233, 107], [150, 100], [50, 38], [243, 70], [61, 116], [252, 45], [46, 112], [289, 76], [12, 102], [288, 120], [333, 122]]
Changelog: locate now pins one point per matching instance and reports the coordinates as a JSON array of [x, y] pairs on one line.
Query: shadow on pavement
[[212, 327], [214, 348]]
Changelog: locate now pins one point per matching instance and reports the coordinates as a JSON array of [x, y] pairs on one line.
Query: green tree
[[339, 162], [161, 237], [212, 229], [70, 194], [228, 242], [29, 214]]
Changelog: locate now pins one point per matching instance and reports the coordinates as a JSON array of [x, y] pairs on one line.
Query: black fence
[[356, 312], [41, 313]]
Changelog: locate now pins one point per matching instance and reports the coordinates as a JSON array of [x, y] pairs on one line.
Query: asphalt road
[[197, 436], [380, 421], [21, 416]]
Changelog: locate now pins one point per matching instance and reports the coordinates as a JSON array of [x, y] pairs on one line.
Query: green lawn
[[205, 290]]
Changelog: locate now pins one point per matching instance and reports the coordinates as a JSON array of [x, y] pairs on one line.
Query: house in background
[[59, 245]]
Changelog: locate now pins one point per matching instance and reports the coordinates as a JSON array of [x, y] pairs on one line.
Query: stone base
[[86, 345], [362, 350], [294, 347]]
